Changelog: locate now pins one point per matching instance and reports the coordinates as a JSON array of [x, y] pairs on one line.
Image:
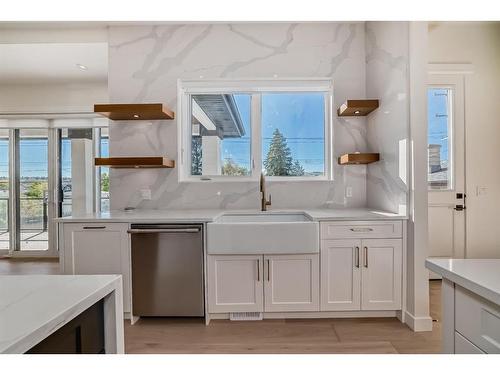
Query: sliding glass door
[[48, 172], [32, 189], [4, 190]]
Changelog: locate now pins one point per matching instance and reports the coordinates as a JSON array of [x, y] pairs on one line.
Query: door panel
[[94, 249], [446, 176], [33, 187], [291, 282], [381, 274], [441, 230], [235, 283], [5, 205], [340, 275]]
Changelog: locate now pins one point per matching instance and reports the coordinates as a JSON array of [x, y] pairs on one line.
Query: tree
[[279, 160], [196, 156], [36, 189], [32, 208], [105, 182], [230, 168], [297, 169]]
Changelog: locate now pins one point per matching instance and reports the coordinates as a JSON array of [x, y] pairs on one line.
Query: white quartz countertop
[[209, 215], [480, 276], [32, 307]]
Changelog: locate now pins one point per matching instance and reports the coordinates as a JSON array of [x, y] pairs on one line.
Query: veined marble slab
[[32, 307], [481, 276], [203, 216]]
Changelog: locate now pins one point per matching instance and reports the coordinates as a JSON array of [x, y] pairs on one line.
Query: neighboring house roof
[[223, 112], [441, 175]]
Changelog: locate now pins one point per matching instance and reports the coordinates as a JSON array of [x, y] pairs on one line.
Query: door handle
[[366, 256], [459, 207], [171, 230], [268, 271], [356, 255], [258, 269]]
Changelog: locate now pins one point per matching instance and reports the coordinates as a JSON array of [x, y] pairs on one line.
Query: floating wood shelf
[[150, 111], [358, 158], [357, 107], [135, 162]]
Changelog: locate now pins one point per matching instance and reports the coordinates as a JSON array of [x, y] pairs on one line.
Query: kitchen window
[[235, 130]]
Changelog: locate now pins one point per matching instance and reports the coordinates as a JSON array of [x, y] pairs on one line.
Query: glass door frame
[[14, 195], [54, 174]]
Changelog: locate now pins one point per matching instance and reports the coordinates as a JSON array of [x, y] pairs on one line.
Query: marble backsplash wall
[[388, 126], [145, 63]]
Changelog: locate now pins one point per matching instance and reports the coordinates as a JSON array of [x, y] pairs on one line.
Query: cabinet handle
[[357, 257], [258, 269], [361, 229], [366, 256], [268, 271], [98, 227], [165, 230]]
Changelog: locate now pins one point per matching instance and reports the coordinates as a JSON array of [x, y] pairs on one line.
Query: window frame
[[451, 135], [254, 87]]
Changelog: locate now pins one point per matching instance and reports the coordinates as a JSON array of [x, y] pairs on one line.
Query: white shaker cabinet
[[340, 275], [291, 282], [381, 274], [360, 270], [235, 283], [257, 283], [96, 249]]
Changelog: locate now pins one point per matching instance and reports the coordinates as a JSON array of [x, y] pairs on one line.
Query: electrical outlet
[[146, 194], [481, 190], [348, 191]]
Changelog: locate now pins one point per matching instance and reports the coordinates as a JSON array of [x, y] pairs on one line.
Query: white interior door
[[446, 158]]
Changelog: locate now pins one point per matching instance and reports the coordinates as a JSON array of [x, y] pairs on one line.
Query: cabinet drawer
[[464, 346], [361, 229], [478, 320]]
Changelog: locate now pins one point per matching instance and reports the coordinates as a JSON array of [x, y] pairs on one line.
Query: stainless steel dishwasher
[[167, 269]]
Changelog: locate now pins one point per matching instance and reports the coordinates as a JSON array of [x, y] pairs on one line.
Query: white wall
[[396, 75], [52, 97], [145, 63], [387, 127], [59, 32], [479, 44]]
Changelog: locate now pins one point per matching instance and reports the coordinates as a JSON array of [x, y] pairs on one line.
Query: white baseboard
[[418, 324], [316, 314]]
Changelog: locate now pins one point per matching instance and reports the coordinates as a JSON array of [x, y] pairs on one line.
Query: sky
[[33, 154], [298, 116], [437, 100]]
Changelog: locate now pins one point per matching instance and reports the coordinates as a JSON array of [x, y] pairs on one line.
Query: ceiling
[[53, 63]]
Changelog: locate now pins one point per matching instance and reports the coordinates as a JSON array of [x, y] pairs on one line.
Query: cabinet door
[[381, 274], [235, 283], [97, 249], [340, 275], [464, 346], [291, 282]]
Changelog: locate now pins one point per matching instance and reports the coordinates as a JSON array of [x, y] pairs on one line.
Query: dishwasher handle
[[164, 230]]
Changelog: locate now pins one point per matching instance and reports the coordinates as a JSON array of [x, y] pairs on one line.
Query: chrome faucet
[[263, 200]]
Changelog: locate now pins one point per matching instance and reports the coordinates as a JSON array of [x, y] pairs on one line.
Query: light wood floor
[[29, 266], [367, 335]]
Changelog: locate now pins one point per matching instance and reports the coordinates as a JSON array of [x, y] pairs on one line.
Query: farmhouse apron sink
[[263, 233]]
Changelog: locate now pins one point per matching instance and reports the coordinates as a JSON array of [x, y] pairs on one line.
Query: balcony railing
[[34, 214]]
